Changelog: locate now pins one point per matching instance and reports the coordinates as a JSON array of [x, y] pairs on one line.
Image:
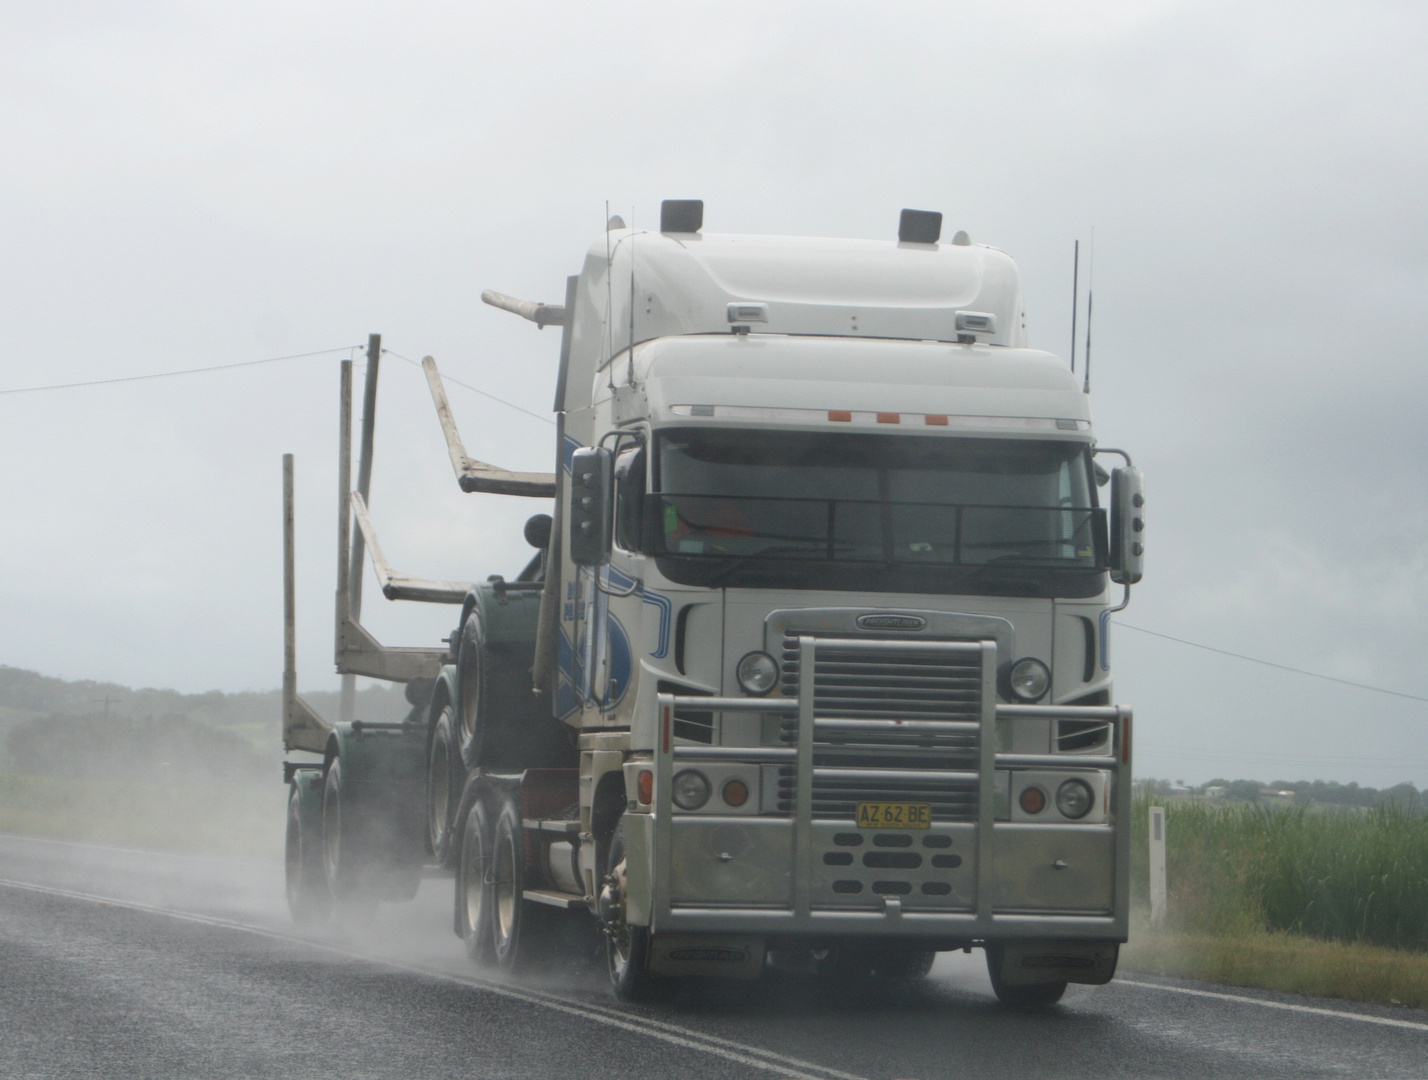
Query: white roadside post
[[1157, 866]]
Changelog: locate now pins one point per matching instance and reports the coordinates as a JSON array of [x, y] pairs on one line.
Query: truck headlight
[[690, 789], [757, 673], [1074, 799], [1028, 679]]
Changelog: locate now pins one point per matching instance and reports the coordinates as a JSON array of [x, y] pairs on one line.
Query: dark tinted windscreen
[[895, 500]]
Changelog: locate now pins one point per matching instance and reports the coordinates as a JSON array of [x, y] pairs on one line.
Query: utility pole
[[347, 703]]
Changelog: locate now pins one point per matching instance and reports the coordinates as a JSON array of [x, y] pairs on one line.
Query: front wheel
[[1037, 994], [627, 948]]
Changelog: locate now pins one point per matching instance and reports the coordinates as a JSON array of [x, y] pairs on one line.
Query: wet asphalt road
[[117, 963]]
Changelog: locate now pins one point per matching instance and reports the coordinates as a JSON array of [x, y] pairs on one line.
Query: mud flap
[[1029, 963]]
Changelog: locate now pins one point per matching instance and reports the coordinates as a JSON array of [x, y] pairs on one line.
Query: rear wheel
[[473, 890], [507, 881], [469, 735], [1037, 994], [442, 787], [309, 901], [627, 948], [341, 856]]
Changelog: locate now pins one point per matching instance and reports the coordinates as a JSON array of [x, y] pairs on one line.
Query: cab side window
[[630, 496]]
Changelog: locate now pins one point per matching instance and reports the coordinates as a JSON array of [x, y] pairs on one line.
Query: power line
[[483, 393], [1271, 663], [171, 374]]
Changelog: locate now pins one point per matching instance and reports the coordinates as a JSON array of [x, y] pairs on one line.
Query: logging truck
[[809, 666]]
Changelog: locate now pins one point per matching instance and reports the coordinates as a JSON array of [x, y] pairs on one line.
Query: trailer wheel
[[507, 885], [1048, 993], [627, 948], [473, 888], [309, 902], [442, 784], [341, 858]]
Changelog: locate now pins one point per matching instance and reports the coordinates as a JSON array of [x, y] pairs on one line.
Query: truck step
[[564, 828], [568, 901]]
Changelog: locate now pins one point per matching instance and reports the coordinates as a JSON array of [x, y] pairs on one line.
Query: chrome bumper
[[1013, 879]]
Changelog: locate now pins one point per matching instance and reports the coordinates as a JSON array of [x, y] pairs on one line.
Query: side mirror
[[1127, 526], [590, 483]]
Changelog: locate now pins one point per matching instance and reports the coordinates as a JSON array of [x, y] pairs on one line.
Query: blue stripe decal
[[620, 582], [665, 609]]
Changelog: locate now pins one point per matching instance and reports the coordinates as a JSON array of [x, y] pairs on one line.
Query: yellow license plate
[[894, 815]]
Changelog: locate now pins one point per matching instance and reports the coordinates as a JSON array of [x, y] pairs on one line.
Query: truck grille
[[894, 721]]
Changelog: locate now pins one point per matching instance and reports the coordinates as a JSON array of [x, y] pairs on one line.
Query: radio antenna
[[1075, 297], [630, 360], [609, 301], [1090, 298]]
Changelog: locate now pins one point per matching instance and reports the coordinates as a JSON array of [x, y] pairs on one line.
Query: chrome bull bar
[[798, 916]]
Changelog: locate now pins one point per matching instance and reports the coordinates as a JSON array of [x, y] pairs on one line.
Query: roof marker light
[[889, 418], [976, 322], [935, 420], [681, 215], [919, 227], [842, 415], [748, 313]]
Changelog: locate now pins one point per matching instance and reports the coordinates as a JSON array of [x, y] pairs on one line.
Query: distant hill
[[253, 716]]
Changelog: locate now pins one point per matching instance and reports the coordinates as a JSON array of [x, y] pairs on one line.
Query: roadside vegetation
[[1304, 899], [83, 760]]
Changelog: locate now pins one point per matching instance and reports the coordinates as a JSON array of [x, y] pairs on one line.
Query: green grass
[[1290, 963], [1331, 904], [1337, 876], [214, 817]]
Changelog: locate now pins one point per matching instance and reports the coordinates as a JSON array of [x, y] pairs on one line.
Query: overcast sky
[[192, 184]]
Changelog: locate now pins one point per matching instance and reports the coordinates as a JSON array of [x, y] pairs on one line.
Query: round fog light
[[735, 793], [1033, 800], [1029, 679], [691, 789], [757, 673], [1074, 799]]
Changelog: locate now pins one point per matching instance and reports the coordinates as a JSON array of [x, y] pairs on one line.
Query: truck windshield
[[907, 513]]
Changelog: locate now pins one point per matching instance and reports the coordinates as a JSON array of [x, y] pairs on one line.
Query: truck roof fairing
[[655, 285], [792, 381]]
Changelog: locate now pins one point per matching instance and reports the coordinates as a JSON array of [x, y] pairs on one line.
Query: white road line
[[1315, 1010], [729, 1050]]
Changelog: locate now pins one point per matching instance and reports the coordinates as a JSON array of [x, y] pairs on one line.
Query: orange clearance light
[[840, 414], [1033, 800], [889, 418], [644, 785], [736, 793], [935, 420]]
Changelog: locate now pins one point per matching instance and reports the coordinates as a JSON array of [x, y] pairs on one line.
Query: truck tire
[[342, 860], [627, 948], [309, 902], [473, 889], [506, 886], [444, 776], [473, 674], [500, 724], [1037, 994]]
